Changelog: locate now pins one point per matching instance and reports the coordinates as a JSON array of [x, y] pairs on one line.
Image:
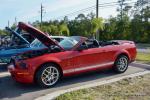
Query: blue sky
[[28, 10]]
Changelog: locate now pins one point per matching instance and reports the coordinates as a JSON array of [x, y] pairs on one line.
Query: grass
[[143, 57], [137, 88]]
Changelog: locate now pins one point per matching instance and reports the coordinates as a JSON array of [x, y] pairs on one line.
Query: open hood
[[41, 36], [17, 35]]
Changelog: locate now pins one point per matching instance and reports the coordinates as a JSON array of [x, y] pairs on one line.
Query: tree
[[96, 25], [91, 15], [3, 32], [110, 28], [63, 30], [140, 24], [121, 26]]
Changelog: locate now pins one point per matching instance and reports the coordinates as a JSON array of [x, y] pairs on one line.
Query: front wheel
[[121, 64], [48, 75]]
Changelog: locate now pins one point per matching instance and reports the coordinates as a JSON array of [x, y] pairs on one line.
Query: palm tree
[[64, 30], [97, 25]]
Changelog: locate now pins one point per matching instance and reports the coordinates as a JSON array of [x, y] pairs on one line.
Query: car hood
[[17, 35], [41, 36]]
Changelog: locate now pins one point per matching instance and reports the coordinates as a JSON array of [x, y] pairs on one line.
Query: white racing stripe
[[86, 68]]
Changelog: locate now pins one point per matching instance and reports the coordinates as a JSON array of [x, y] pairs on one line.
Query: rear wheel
[[48, 75], [121, 64]]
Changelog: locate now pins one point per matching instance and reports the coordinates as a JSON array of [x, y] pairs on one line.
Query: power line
[[78, 11], [15, 20], [92, 8], [8, 23]]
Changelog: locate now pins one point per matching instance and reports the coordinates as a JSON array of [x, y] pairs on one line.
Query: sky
[[29, 10]]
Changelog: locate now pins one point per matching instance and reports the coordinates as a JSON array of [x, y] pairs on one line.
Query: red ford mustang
[[73, 55]]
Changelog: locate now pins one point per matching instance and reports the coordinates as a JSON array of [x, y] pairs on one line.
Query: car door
[[86, 59], [89, 59], [109, 53]]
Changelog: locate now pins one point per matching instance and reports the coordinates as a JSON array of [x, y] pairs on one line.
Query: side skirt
[[87, 68]]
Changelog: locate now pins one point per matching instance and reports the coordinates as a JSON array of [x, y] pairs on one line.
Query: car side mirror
[[82, 47]]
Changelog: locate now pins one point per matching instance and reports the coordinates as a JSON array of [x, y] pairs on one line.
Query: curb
[[141, 63], [53, 95], [4, 74]]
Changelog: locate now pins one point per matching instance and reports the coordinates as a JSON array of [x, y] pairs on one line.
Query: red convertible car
[[73, 55]]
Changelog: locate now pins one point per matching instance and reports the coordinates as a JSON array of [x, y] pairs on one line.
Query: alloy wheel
[[122, 63], [50, 76]]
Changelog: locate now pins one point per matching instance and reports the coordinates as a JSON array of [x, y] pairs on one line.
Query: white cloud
[[28, 10], [51, 7]]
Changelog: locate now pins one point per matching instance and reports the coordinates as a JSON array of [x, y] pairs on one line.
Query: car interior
[[93, 43], [105, 43]]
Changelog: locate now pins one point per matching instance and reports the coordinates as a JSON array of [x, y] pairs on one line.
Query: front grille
[[5, 59]]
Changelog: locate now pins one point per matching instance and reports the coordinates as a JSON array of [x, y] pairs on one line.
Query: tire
[[48, 75], [121, 64]]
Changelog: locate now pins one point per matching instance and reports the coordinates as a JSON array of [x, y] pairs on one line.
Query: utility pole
[[15, 20], [97, 8], [97, 11], [8, 23], [42, 10], [121, 7]]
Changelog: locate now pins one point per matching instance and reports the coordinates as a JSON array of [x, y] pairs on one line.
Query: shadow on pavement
[[10, 89], [3, 67], [147, 67]]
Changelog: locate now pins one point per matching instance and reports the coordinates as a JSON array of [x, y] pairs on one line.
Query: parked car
[[71, 56], [7, 52], [4, 41]]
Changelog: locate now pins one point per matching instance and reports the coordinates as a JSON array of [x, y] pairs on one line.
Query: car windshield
[[37, 43], [68, 43]]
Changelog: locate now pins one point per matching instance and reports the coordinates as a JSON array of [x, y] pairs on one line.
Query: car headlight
[[22, 56], [21, 64]]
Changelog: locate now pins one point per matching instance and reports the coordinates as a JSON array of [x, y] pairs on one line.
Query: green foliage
[[97, 24], [63, 29], [123, 27], [13, 27], [3, 32], [120, 27]]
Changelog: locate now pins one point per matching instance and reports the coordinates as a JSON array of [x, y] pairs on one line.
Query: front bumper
[[20, 75]]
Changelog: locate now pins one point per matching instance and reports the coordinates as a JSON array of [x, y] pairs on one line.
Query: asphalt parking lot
[[10, 90]]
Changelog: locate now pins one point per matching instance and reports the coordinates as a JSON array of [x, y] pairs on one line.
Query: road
[[143, 48], [9, 90]]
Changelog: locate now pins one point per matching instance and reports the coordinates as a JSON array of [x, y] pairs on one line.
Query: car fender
[[122, 52], [53, 60]]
